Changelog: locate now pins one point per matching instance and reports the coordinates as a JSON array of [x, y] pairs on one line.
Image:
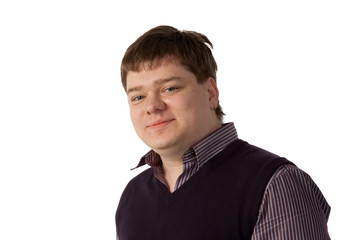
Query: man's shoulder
[[137, 184], [142, 177], [249, 153]]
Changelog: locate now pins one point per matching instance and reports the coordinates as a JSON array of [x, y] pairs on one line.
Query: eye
[[170, 89], [137, 98]]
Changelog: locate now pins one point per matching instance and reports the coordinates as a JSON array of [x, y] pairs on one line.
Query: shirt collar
[[205, 149]]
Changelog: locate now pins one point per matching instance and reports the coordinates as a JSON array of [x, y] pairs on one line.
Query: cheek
[[135, 116], [193, 103], [183, 101], [186, 110]]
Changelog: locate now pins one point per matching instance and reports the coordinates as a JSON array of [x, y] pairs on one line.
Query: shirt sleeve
[[292, 208]]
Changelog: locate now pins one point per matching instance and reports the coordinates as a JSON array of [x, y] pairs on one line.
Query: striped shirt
[[196, 156], [292, 206]]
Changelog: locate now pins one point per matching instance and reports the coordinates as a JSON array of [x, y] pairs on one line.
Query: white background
[[288, 73]]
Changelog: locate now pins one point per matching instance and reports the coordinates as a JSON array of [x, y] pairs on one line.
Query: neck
[[171, 173], [172, 161], [172, 165]]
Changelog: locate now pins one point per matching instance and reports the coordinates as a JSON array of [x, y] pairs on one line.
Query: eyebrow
[[157, 82]]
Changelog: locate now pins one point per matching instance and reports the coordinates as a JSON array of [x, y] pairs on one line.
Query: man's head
[[190, 49]]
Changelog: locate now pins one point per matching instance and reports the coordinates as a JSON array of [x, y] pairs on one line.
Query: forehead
[[164, 72]]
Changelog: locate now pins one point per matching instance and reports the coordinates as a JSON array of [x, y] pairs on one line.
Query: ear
[[213, 92]]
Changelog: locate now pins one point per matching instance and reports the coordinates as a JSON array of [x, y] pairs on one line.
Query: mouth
[[160, 124]]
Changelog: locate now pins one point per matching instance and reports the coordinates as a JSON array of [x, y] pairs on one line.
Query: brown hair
[[192, 49]]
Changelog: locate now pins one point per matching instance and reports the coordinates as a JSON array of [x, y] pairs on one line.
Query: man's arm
[[292, 208]]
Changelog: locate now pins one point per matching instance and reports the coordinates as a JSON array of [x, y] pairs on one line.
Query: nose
[[154, 104]]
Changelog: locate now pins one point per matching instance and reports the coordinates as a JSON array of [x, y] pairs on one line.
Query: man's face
[[169, 109]]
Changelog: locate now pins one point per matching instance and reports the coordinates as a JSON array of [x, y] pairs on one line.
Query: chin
[[161, 145]]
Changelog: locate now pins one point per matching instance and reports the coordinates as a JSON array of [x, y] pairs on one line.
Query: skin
[[171, 111]]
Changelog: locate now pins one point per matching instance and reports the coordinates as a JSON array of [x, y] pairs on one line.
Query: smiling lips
[[159, 124]]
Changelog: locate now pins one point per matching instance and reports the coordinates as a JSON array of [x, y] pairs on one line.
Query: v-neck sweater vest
[[221, 201]]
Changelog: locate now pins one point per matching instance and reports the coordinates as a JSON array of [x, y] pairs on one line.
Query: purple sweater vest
[[221, 201]]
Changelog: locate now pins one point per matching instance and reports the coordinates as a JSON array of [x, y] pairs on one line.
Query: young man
[[204, 182]]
